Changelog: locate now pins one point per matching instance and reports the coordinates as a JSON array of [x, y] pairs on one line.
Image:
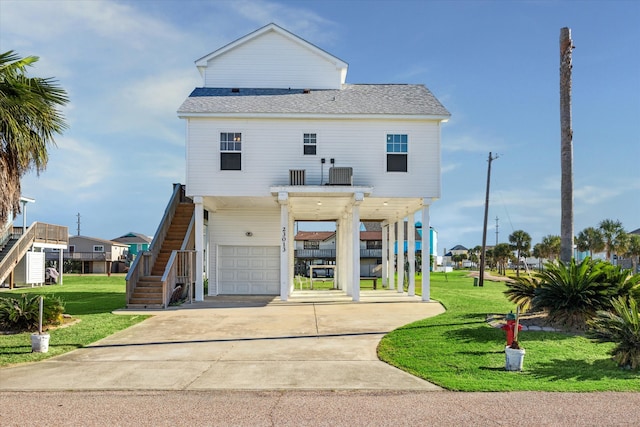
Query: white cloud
[[298, 20]]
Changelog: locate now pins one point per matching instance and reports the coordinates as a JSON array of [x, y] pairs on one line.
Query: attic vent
[[235, 90], [296, 176], [306, 91]]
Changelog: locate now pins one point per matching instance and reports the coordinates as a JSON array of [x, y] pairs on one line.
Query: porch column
[[283, 199], [426, 254], [292, 253], [400, 238], [61, 266], [337, 272], [355, 244], [347, 252], [199, 237], [385, 253], [392, 257], [411, 254]]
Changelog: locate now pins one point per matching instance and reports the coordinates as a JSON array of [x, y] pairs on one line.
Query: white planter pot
[[39, 343], [514, 359]]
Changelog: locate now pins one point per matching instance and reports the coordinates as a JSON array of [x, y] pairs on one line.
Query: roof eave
[[334, 116]]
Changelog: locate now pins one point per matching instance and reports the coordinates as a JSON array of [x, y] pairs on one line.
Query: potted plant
[[514, 353]]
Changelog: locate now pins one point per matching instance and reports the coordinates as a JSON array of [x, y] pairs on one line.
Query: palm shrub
[[22, 313], [622, 327], [573, 293], [522, 291], [624, 283]]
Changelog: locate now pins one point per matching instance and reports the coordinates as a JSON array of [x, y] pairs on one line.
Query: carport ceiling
[[322, 207]]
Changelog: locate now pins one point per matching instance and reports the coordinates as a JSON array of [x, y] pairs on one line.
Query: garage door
[[249, 270]]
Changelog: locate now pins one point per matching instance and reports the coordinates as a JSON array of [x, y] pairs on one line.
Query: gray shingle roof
[[383, 99]]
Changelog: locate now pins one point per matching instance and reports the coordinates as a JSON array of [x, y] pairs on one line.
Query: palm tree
[[521, 243], [590, 239], [540, 251], [612, 232], [29, 118], [566, 147], [502, 253], [552, 244], [633, 250]]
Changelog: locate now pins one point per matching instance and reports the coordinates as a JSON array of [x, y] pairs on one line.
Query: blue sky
[[128, 65]]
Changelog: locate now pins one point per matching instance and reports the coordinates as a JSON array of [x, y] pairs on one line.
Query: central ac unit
[[340, 176]]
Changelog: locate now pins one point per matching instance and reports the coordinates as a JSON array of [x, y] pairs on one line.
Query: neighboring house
[[137, 243], [93, 255], [276, 135], [456, 250], [22, 257], [319, 247]]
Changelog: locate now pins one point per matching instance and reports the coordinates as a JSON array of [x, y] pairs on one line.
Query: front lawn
[[89, 300], [458, 350]]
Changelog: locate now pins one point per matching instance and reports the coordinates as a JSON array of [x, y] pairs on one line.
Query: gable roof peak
[[271, 27]]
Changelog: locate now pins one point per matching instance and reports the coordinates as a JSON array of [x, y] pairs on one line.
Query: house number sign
[[284, 239]]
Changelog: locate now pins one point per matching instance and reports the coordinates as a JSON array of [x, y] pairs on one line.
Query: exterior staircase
[[148, 292]]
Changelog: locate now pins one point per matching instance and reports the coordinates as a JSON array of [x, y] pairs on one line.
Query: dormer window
[[230, 151]]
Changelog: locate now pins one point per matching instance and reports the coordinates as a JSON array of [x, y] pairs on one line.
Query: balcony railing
[[84, 256], [331, 253]]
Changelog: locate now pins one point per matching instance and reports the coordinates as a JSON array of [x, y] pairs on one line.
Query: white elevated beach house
[[276, 135]]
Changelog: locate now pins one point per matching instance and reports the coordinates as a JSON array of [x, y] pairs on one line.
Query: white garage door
[[249, 270]]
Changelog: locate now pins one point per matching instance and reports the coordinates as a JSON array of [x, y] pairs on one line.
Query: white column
[[392, 269], [199, 220], [401, 238], [61, 266], [355, 244], [291, 238], [347, 252], [283, 199], [337, 273], [385, 254], [411, 253], [426, 254]]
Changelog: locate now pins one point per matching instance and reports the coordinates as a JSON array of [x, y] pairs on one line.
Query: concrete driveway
[[315, 341]]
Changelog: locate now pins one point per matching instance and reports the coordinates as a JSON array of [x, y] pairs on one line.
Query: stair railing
[[143, 263], [180, 266], [40, 232]]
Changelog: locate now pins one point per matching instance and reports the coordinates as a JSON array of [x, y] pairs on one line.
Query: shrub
[[622, 327], [22, 313], [522, 291], [573, 293]]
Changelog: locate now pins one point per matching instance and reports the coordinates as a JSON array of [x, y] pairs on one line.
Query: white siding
[[228, 228], [270, 147], [272, 61]]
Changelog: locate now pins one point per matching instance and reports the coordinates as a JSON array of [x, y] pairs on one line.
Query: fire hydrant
[[510, 327]]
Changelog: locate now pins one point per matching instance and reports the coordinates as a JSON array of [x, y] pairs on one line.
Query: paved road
[[317, 408], [253, 362]]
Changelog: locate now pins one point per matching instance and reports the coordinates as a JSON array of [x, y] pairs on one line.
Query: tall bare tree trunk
[[566, 147]]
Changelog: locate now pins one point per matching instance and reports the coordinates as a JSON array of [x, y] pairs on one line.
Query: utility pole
[[484, 228], [497, 226], [78, 222]]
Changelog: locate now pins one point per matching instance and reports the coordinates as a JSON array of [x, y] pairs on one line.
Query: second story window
[[98, 248], [309, 143], [397, 149], [312, 244], [230, 151]]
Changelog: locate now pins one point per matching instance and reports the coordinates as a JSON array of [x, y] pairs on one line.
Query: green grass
[[90, 299], [458, 350]]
